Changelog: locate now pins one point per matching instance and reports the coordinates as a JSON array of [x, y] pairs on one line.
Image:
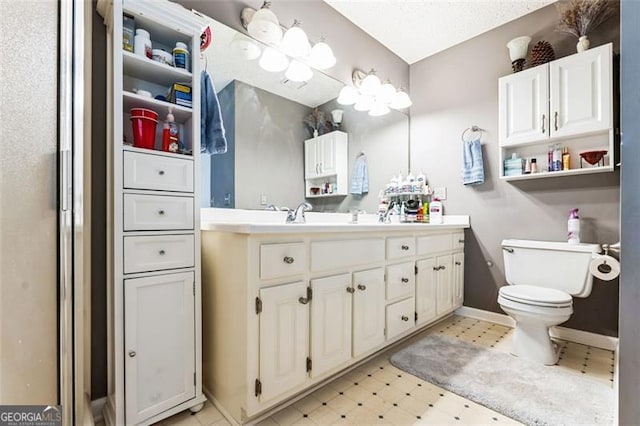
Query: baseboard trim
[[577, 336], [97, 407]]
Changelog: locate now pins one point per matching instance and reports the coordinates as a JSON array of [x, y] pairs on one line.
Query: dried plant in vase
[[579, 17], [316, 122]]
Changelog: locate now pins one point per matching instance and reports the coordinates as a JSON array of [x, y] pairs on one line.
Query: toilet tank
[[557, 265]]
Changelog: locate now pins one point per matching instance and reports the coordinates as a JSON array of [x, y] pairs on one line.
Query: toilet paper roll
[[604, 267]]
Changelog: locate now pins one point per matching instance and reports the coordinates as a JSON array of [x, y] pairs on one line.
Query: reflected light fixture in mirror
[[273, 60], [321, 55], [295, 42], [264, 25], [246, 46], [298, 72], [369, 94]]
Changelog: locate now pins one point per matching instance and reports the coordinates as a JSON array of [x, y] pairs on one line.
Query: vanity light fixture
[[321, 55], [518, 48], [273, 60], [264, 25], [295, 42], [246, 46], [369, 94], [298, 72]]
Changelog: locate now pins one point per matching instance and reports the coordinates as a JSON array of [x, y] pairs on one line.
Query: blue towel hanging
[[212, 138], [472, 163], [360, 176]]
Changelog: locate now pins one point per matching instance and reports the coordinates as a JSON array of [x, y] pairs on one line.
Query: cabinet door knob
[[362, 287], [404, 280], [288, 260], [404, 318], [132, 354], [404, 247], [458, 263], [161, 172], [161, 212], [303, 300], [436, 268], [543, 118], [161, 252], [461, 241], [555, 120], [350, 290], [443, 267]]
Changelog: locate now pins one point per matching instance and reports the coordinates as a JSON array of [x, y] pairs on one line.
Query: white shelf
[[572, 172], [146, 69], [326, 195], [156, 152], [133, 100], [401, 194]]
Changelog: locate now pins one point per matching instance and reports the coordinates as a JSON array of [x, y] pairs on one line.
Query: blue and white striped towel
[[472, 164], [360, 176]]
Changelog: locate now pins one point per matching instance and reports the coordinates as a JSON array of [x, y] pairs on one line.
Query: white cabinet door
[[327, 154], [444, 299], [581, 87], [284, 338], [523, 106], [159, 337], [426, 290], [330, 323], [368, 310], [311, 160], [458, 279]]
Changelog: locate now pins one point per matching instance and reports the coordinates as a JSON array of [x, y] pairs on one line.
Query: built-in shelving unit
[[153, 71], [133, 100], [325, 163]]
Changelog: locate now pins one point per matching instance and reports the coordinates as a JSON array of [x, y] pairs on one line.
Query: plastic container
[[181, 56], [566, 159], [170, 138], [128, 32], [144, 132], [142, 43], [162, 56], [573, 227], [435, 211]]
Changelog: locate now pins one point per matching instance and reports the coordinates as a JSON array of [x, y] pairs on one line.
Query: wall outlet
[[263, 200], [440, 193]]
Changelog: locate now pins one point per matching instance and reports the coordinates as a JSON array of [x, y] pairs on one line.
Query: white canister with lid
[[181, 56], [142, 43]]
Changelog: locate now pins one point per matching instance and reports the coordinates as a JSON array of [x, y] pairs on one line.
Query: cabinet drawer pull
[[132, 354], [161, 172], [404, 318], [461, 241], [442, 267], [161, 212], [436, 268], [161, 252], [288, 260], [404, 247], [555, 120], [458, 263], [362, 287], [404, 280], [543, 118], [303, 300], [350, 290]]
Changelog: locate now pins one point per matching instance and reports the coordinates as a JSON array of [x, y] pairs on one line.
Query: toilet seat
[[536, 296]]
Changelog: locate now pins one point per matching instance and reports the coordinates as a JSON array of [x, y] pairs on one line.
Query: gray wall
[[269, 154], [458, 88], [222, 171], [352, 47], [385, 142], [629, 350]]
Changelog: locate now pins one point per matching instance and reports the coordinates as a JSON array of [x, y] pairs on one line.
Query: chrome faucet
[[297, 215], [384, 217], [272, 207]]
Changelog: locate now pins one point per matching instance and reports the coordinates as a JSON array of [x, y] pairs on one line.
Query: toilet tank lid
[[552, 245]]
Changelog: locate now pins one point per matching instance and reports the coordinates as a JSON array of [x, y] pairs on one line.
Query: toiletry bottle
[[573, 227], [181, 56], [403, 216], [420, 215], [527, 167], [534, 166], [170, 138], [550, 159], [557, 158], [565, 159], [435, 211], [425, 212]]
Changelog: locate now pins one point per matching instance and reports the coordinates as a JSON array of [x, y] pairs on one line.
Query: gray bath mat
[[531, 393]]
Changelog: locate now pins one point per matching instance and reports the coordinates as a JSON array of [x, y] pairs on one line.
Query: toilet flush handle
[[507, 249]]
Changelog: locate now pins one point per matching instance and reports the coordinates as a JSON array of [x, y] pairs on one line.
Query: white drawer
[[401, 280], [282, 260], [400, 317], [148, 171], [437, 243], [155, 212], [327, 255], [158, 252], [457, 240], [400, 247]]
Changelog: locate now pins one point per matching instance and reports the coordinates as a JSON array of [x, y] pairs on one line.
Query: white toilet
[[543, 277]]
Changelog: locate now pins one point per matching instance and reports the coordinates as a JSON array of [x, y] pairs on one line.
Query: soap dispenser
[[170, 140]]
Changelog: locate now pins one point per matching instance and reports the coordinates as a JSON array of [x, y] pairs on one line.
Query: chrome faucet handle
[[272, 207]]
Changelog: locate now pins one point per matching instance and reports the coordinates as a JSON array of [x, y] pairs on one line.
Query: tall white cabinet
[[154, 288], [326, 162]]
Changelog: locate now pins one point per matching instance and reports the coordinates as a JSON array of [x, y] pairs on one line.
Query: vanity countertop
[[260, 222]]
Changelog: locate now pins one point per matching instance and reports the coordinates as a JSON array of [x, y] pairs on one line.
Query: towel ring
[[472, 129]]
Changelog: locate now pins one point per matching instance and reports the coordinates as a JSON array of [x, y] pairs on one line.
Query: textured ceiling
[[415, 29]]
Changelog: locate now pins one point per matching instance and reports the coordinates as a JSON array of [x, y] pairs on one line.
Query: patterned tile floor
[[379, 393]]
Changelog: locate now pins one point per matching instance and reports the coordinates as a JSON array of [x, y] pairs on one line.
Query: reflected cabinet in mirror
[[264, 119]]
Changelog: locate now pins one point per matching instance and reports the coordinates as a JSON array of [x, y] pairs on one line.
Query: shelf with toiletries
[[567, 102], [153, 71], [134, 100], [326, 186]]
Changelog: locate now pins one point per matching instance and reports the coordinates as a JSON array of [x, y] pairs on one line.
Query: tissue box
[[514, 166], [180, 94]]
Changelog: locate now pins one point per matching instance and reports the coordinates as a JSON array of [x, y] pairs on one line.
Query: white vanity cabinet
[[568, 101], [285, 311], [153, 226]]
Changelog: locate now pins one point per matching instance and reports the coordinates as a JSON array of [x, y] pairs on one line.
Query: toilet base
[[531, 341]]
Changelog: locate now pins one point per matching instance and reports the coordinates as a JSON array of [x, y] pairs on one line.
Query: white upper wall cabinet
[[326, 165]]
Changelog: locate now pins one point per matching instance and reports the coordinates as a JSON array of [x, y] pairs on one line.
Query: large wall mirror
[[263, 115]]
